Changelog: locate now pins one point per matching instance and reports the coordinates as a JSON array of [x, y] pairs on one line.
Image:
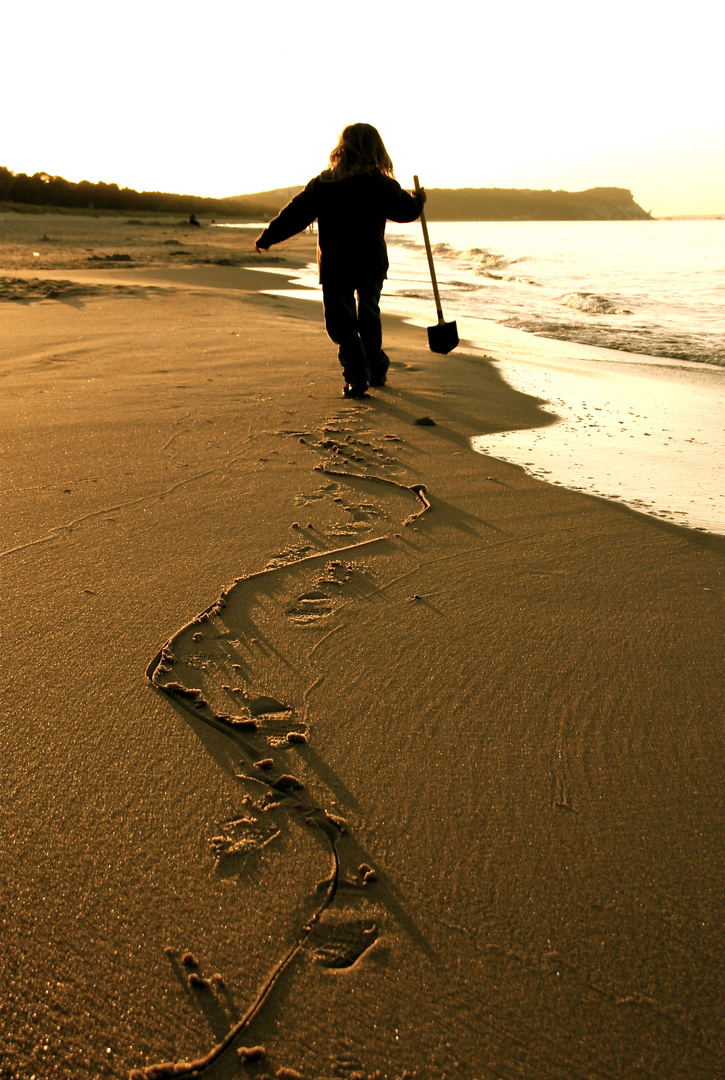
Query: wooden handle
[[429, 253]]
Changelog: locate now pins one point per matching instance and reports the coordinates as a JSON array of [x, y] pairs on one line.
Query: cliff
[[515, 204]]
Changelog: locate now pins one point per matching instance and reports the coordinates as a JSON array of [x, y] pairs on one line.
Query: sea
[[617, 328]]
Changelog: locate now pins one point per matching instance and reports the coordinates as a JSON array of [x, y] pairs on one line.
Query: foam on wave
[[592, 304]]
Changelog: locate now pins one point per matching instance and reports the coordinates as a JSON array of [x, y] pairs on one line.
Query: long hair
[[358, 149]]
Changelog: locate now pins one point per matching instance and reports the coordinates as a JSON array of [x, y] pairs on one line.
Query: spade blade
[[443, 338]]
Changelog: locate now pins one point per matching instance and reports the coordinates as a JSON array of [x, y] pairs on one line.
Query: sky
[[231, 97]]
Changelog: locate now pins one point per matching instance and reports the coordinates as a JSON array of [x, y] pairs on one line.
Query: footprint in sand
[[360, 518], [291, 555], [319, 602], [304, 499], [239, 838], [266, 706], [339, 939], [311, 606]]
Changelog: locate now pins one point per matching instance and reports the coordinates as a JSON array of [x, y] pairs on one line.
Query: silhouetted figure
[[351, 200], [193, 220]]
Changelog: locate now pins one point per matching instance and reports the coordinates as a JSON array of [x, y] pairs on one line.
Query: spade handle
[[429, 253]]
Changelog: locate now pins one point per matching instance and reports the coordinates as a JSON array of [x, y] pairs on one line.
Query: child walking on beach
[[351, 200]]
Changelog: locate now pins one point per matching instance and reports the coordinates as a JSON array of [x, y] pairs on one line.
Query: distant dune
[[19, 191]]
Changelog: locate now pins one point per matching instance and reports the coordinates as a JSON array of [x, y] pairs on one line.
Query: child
[[351, 200]]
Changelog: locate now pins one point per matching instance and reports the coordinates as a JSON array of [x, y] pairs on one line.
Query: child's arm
[[292, 219], [402, 206]]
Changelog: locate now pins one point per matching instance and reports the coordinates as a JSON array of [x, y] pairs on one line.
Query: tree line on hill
[[444, 204], [44, 190]]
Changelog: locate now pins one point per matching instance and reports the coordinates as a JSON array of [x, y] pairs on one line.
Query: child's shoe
[[354, 390]]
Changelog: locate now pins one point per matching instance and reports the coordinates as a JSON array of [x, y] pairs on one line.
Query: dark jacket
[[351, 216]]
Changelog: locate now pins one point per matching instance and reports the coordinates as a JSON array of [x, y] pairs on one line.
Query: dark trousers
[[354, 326]]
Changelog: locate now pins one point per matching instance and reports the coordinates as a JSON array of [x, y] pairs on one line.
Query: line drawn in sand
[[222, 668]]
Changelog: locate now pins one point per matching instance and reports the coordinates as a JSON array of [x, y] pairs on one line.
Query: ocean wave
[[482, 260], [401, 240], [591, 304], [479, 260], [415, 294], [649, 341], [592, 282]]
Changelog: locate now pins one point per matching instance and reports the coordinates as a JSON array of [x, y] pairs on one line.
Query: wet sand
[[320, 728]]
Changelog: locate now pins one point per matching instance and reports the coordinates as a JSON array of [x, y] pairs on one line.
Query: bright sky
[[229, 97]]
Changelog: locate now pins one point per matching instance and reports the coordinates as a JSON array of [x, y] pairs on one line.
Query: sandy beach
[[323, 733]]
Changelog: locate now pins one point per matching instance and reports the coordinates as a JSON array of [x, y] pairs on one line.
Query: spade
[[443, 337]]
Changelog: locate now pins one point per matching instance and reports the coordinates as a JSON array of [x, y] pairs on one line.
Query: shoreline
[[570, 441], [507, 710], [610, 408]]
